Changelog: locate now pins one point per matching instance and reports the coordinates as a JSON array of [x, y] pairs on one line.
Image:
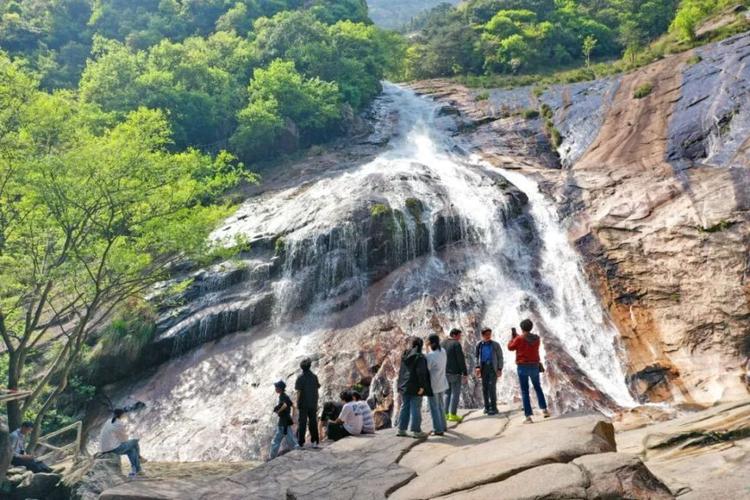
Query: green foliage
[[380, 209], [95, 210], [520, 36], [482, 96], [643, 90], [530, 114]]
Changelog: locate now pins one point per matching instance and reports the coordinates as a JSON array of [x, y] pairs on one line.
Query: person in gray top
[[489, 359], [18, 447]]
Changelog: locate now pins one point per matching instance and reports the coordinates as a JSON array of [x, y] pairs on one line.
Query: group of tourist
[[351, 417], [438, 374]]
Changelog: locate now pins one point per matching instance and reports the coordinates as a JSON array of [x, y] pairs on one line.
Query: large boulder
[[27, 485], [514, 451]]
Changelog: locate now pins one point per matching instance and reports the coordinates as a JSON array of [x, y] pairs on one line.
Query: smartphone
[[513, 332]]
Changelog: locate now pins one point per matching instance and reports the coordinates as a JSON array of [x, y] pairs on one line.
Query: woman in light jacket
[[436, 362]]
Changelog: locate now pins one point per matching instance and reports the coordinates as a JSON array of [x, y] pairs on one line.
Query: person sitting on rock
[[436, 363], [456, 373], [349, 422], [331, 411], [284, 428], [489, 366], [527, 346], [113, 438], [20, 457], [307, 386], [413, 383], [368, 420]]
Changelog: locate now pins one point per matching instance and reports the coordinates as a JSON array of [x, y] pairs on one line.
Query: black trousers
[[337, 431], [32, 465], [489, 387], [308, 418]]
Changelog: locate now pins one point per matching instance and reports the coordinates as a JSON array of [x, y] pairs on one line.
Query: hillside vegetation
[[516, 37]]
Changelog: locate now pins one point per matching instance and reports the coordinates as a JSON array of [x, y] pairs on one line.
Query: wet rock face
[[711, 121]]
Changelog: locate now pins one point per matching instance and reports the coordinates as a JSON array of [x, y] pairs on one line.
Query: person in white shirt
[[368, 419], [349, 422], [113, 438], [437, 360]]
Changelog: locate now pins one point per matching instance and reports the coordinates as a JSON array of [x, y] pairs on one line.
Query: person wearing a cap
[[307, 386], [284, 429], [489, 366]]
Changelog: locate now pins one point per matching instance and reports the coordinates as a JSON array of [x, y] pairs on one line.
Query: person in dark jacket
[[307, 386], [331, 412], [489, 359], [284, 428], [455, 371], [527, 346], [413, 383]]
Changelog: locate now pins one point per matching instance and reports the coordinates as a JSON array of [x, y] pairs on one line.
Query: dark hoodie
[[413, 374], [526, 347], [307, 386]]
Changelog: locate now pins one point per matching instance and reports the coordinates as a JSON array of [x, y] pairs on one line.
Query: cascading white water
[[460, 235]]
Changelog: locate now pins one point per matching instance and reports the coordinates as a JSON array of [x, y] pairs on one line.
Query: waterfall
[[419, 235]]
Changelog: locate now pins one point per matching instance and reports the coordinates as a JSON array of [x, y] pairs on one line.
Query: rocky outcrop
[[655, 193], [481, 458], [697, 455]]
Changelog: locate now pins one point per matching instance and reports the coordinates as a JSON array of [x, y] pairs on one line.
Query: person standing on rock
[[455, 372], [284, 428], [113, 438], [436, 363], [20, 458], [527, 346], [307, 386], [413, 383], [489, 366]]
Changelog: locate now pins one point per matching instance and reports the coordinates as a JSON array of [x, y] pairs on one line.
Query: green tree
[[589, 43], [91, 217]]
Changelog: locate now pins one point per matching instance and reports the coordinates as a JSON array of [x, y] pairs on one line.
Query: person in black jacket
[[456, 372], [413, 383], [307, 386]]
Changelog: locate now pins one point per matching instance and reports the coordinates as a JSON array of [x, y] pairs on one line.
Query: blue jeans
[[411, 410], [133, 451], [437, 410], [453, 392], [283, 431], [526, 372]]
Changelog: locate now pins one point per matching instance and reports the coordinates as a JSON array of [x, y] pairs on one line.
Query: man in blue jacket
[[489, 366]]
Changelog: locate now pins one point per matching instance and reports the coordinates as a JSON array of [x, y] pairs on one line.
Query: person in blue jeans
[[527, 346], [113, 438], [284, 429], [489, 367], [436, 362], [413, 384]]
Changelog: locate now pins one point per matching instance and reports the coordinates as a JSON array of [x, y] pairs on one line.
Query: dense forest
[[123, 124], [523, 36], [255, 77]]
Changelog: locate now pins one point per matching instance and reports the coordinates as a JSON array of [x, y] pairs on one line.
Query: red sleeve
[[513, 344]]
